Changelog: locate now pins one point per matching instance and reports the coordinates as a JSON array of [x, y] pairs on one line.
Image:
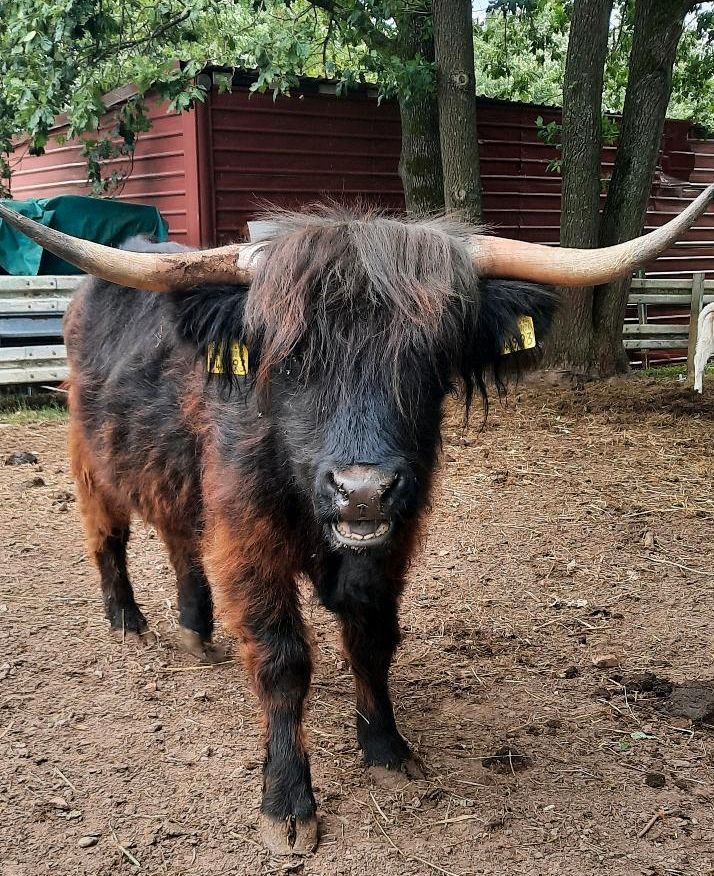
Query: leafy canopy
[[62, 56], [521, 45]]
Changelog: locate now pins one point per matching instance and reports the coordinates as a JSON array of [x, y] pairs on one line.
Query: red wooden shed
[[210, 170]]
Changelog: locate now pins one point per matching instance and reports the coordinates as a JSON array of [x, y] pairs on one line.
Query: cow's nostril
[[362, 497], [331, 482], [358, 491]]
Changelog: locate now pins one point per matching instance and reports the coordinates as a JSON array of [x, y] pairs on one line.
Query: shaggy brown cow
[[309, 452]]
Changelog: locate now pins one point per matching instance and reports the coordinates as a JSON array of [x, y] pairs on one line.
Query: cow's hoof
[[127, 619], [190, 642], [288, 836], [398, 777]]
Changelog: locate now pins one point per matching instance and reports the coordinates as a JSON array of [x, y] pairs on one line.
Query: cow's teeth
[[346, 531]]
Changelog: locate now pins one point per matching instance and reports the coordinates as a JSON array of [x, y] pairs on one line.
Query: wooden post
[[697, 298]]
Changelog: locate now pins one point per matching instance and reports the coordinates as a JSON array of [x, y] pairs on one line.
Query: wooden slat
[[677, 300], [654, 329], [36, 296], [681, 299], [29, 297], [26, 304], [675, 342], [40, 374], [665, 285], [29, 355], [46, 362], [689, 294], [39, 284]]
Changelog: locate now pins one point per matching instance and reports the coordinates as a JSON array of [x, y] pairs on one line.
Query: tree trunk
[[420, 159], [657, 31], [456, 90], [570, 343]]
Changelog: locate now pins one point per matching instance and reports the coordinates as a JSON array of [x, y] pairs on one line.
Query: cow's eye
[[290, 367]]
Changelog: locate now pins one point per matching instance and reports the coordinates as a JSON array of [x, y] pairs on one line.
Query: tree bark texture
[[570, 343], [456, 90], [420, 160], [657, 31]]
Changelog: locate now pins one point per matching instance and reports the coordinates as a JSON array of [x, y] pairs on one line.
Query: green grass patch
[[664, 371], [42, 407], [671, 372]]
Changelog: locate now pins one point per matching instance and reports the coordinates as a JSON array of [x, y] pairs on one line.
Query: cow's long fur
[[357, 326], [705, 345], [356, 295]]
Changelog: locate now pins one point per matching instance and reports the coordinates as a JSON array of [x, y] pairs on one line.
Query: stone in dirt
[[655, 780], [59, 803], [694, 701], [37, 481], [62, 496], [690, 704], [606, 661], [21, 457], [86, 842]]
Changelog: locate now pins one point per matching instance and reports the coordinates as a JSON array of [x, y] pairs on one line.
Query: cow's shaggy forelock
[[352, 300], [355, 296]]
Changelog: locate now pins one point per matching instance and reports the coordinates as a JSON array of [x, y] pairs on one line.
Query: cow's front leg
[[252, 570], [278, 657], [367, 606]]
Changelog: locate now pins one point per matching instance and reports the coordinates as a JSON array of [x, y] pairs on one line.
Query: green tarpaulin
[[102, 221]]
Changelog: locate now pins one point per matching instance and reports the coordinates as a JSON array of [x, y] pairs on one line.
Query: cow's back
[[134, 397]]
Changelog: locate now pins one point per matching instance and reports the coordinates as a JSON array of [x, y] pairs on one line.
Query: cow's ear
[[210, 319], [510, 325]]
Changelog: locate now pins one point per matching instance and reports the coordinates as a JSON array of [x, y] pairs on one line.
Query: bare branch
[[373, 36], [157, 32]]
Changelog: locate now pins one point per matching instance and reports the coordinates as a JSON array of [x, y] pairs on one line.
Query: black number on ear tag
[[526, 329], [239, 359]]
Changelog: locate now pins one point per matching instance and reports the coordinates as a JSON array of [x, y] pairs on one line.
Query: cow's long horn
[[156, 272], [515, 259]]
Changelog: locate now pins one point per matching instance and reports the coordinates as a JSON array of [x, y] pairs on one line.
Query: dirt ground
[[556, 675]]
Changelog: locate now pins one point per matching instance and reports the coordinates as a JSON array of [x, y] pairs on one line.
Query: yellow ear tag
[[526, 330], [239, 359]]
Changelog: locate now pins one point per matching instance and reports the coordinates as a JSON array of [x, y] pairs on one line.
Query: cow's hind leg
[[119, 604], [105, 519], [194, 599], [106, 527]]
